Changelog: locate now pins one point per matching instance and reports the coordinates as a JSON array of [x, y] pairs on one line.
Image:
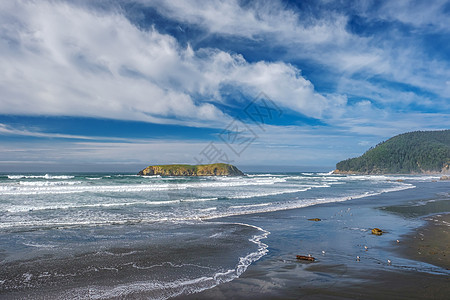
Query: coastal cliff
[[219, 169], [419, 152]]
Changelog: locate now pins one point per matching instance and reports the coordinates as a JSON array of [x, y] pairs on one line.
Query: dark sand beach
[[429, 243], [240, 256], [409, 261]]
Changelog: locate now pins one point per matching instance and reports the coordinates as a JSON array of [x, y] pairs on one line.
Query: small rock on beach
[[377, 231]]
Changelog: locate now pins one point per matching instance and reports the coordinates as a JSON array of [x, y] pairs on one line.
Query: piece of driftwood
[[308, 258]]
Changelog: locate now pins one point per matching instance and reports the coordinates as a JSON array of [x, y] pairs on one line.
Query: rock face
[[219, 169]]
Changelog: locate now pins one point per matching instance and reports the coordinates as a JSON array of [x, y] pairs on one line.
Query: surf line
[[180, 287], [245, 262]]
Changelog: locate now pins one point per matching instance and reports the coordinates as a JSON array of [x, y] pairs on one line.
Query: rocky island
[[415, 152], [219, 169]]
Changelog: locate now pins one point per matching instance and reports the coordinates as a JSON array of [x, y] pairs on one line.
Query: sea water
[[115, 235]]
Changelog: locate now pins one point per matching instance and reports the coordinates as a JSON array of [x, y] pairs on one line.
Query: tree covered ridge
[[412, 152]]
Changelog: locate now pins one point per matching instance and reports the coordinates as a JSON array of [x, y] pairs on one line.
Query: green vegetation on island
[[219, 169], [407, 153]]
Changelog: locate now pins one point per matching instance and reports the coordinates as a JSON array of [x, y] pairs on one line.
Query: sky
[[289, 84]]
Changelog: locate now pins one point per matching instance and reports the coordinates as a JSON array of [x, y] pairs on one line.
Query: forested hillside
[[412, 152]]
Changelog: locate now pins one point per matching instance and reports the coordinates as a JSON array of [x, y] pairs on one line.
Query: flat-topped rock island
[[218, 169]]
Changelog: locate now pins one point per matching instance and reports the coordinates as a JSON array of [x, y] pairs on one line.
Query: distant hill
[[218, 169], [412, 152]]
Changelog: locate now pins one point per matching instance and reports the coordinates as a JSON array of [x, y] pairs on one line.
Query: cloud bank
[[62, 59]]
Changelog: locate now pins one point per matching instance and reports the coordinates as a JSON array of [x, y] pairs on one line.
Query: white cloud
[[283, 82], [429, 14], [325, 38], [253, 20], [34, 132], [364, 143], [60, 59]]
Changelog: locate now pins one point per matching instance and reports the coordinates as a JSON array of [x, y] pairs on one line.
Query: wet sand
[[347, 270], [431, 243], [374, 285]]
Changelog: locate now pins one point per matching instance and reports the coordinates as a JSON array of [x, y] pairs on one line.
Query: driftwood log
[[303, 257]]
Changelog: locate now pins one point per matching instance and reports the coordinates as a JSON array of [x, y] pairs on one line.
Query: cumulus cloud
[[62, 59], [283, 82]]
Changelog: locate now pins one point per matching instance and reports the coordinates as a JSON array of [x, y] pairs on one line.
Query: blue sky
[[280, 83]]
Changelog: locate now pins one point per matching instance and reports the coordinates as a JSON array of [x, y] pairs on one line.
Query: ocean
[[101, 236]]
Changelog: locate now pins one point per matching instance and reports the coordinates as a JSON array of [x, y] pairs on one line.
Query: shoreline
[[386, 269], [342, 172], [431, 242]]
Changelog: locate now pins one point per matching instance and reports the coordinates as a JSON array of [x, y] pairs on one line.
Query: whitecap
[[48, 183], [46, 176]]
